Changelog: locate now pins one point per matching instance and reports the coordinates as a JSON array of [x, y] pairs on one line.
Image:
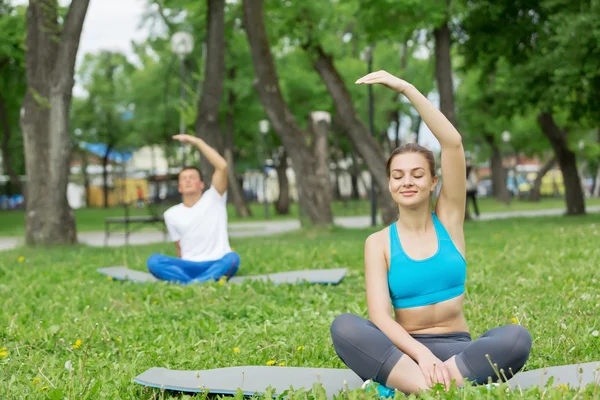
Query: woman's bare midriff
[[443, 317]]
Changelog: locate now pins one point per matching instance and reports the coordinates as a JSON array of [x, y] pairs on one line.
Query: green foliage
[[548, 49], [12, 77], [540, 272], [101, 116]]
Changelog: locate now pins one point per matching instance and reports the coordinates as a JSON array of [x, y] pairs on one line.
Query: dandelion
[[44, 388], [515, 320], [236, 349], [155, 302], [562, 387], [118, 340], [300, 348], [110, 278], [3, 352], [271, 362], [35, 381], [222, 280], [281, 364], [77, 344], [595, 334], [21, 259]]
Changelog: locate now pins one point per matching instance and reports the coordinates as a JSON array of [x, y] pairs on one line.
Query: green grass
[[541, 271], [92, 219]]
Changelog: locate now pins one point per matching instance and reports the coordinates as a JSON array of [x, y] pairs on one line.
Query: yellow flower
[[21, 259], [3, 354], [44, 388], [562, 387], [282, 364], [222, 280], [35, 381], [77, 344], [110, 278], [515, 320], [271, 362], [118, 340], [236, 349], [300, 348], [155, 302]]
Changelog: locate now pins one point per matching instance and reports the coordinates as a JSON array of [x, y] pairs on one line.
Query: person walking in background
[[472, 187]]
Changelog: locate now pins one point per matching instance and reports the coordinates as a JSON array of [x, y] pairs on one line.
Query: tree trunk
[[237, 194], [354, 173], [337, 156], [50, 64], [282, 206], [535, 193], [567, 163], [105, 175], [315, 198], [15, 182], [499, 188], [86, 177], [320, 125], [362, 141], [443, 71], [443, 74], [207, 120], [596, 186]]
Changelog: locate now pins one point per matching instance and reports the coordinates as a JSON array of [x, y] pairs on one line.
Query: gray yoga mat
[[313, 276], [251, 379], [256, 379], [573, 375]]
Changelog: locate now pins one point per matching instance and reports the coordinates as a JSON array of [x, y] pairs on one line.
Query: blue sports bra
[[414, 283]]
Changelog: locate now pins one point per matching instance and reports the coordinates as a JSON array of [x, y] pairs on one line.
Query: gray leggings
[[371, 354]]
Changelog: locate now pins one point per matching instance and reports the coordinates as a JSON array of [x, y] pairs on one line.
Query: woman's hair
[[413, 148]]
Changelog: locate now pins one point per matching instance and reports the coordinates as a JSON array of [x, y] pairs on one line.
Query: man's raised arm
[[219, 178]]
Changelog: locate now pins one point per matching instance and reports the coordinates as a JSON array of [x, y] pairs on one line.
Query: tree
[[207, 118], [538, 68], [104, 116], [314, 192], [50, 64]]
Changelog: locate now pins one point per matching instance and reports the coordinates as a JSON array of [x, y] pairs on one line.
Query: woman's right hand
[[433, 369], [386, 79]]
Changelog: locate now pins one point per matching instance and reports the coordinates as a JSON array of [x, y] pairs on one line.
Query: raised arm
[[219, 178], [451, 203]]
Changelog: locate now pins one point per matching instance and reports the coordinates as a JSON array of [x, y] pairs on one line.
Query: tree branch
[[69, 43], [161, 13]]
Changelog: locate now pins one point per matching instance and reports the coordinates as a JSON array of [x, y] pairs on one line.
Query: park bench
[[132, 222]]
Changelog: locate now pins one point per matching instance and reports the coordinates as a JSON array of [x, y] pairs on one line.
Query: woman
[[418, 264]]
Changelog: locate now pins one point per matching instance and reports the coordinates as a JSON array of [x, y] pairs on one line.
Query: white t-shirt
[[202, 228]]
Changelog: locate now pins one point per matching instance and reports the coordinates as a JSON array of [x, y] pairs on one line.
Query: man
[[198, 226]]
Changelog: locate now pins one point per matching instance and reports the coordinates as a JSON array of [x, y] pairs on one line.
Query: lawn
[[92, 219], [539, 272]]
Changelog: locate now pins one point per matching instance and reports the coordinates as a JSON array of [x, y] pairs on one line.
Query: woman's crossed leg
[[371, 354]]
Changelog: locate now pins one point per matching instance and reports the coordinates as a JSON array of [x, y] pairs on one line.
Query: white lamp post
[[263, 127], [182, 44]]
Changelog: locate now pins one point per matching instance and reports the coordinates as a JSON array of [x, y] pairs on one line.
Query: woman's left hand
[[386, 79]]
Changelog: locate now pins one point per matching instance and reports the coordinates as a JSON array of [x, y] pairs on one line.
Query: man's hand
[[188, 139], [219, 178]]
